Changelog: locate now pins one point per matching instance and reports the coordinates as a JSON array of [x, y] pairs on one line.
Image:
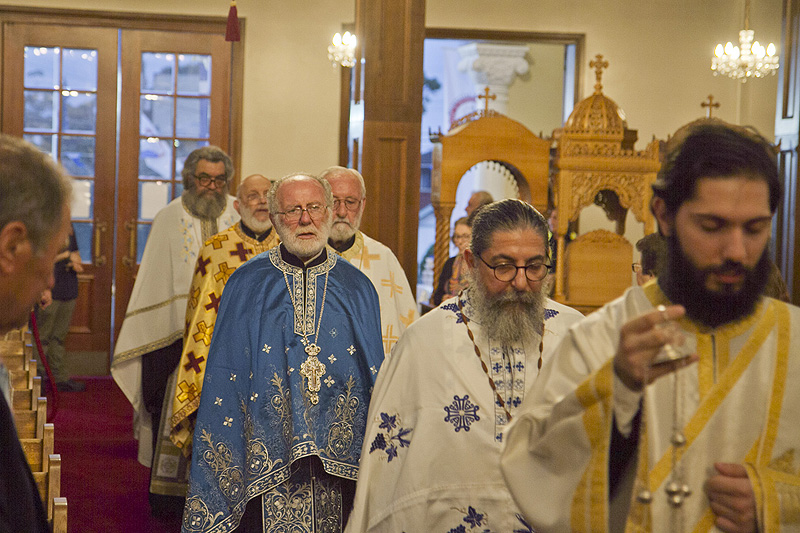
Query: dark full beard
[[509, 317], [205, 206], [684, 284]]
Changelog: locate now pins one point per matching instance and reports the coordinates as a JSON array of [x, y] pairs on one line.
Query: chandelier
[[342, 51], [749, 59]]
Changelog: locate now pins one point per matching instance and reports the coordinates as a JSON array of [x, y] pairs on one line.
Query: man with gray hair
[[149, 344], [35, 199], [292, 362], [376, 260], [431, 455]]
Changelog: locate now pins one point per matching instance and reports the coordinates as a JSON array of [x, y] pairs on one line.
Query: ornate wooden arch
[[491, 137]]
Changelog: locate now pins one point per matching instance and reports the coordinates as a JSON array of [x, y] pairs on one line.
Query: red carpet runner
[[105, 486]]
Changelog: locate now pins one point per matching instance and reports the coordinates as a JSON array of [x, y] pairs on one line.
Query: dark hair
[[211, 153], [716, 151], [653, 250], [506, 215], [33, 190]]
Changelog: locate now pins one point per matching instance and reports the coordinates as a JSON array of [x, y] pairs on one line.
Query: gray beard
[[204, 206], [510, 317]]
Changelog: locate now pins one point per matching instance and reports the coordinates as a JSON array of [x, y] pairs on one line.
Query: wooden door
[[60, 92], [175, 98]]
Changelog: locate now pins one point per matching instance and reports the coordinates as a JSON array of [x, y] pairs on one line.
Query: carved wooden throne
[[484, 136], [593, 155]]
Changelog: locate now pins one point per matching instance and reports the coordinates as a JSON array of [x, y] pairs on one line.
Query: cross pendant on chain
[[313, 370]]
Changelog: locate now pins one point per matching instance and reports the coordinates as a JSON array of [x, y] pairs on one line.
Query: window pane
[[182, 151], [158, 73], [142, 231], [80, 112], [41, 111], [155, 159], [194, 75], [155, 116], [83, 234], [46, 143], [41, 67], [77, 155], [153, 197], [194, 117], [82, 199], [80, 70]]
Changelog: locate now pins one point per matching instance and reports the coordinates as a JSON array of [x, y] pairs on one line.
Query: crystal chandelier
[[749, 59], [342, 51]]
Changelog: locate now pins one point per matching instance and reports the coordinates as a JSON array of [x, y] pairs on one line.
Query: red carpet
[[105, 486]]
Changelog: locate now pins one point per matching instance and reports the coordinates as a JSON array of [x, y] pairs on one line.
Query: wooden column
[[787, 131], [392, 34]]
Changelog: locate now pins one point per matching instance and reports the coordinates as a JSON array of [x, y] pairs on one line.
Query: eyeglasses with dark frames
[[506, 272], [205, 180]]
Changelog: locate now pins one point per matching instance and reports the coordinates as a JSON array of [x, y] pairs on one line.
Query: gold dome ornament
[[597, 114]]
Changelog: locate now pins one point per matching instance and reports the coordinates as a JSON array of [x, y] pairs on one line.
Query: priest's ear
[[666, 221], [469, 257]]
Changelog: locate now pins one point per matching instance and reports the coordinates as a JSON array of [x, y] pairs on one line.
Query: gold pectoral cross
[[313, 370]]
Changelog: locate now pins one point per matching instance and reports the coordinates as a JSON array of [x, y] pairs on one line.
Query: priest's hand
[[640, 341], [731, 496]]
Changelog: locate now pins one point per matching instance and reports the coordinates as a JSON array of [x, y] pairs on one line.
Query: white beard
[[510, 317]]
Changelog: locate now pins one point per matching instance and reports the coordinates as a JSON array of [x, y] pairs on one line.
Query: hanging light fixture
[[749, 59], [342, 50]]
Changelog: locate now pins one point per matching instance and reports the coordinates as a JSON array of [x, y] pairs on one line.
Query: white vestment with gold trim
[[156, 312], [379, 264], [430, 460], [738, 404]]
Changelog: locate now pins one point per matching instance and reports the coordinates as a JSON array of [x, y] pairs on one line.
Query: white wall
[[659, 53]]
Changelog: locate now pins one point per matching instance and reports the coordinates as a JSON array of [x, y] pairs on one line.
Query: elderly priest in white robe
[[149, 343], [376, 260], [292, 362], [431, 456], [675, 407]]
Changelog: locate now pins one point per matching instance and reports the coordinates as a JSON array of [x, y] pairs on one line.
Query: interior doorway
[[540, 96], [120, 108]]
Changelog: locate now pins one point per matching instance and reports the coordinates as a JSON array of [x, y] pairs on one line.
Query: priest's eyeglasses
[[506, 272], [351, 204], [315, 211], [205, 180]]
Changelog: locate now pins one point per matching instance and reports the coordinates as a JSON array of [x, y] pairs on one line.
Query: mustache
[[729, 267]]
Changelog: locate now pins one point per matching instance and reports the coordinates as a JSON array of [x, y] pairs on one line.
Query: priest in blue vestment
[[292, 362]]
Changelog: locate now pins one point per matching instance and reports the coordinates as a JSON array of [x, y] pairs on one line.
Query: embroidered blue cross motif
[[516, 401], [461, 413], [473, 518], [454, 308], [550, 313], [519, 366], [389, 423], [497, 367]]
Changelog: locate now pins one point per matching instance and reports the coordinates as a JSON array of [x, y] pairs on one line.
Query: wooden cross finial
[[709, 104], [486, 96], [598, 65]]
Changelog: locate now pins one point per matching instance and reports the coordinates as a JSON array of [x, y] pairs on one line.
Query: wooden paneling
[[392, 33]]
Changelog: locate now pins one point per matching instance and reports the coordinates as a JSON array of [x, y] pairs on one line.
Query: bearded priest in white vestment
[[376, 260], [154, 322], [431, 454], [660, 417]]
